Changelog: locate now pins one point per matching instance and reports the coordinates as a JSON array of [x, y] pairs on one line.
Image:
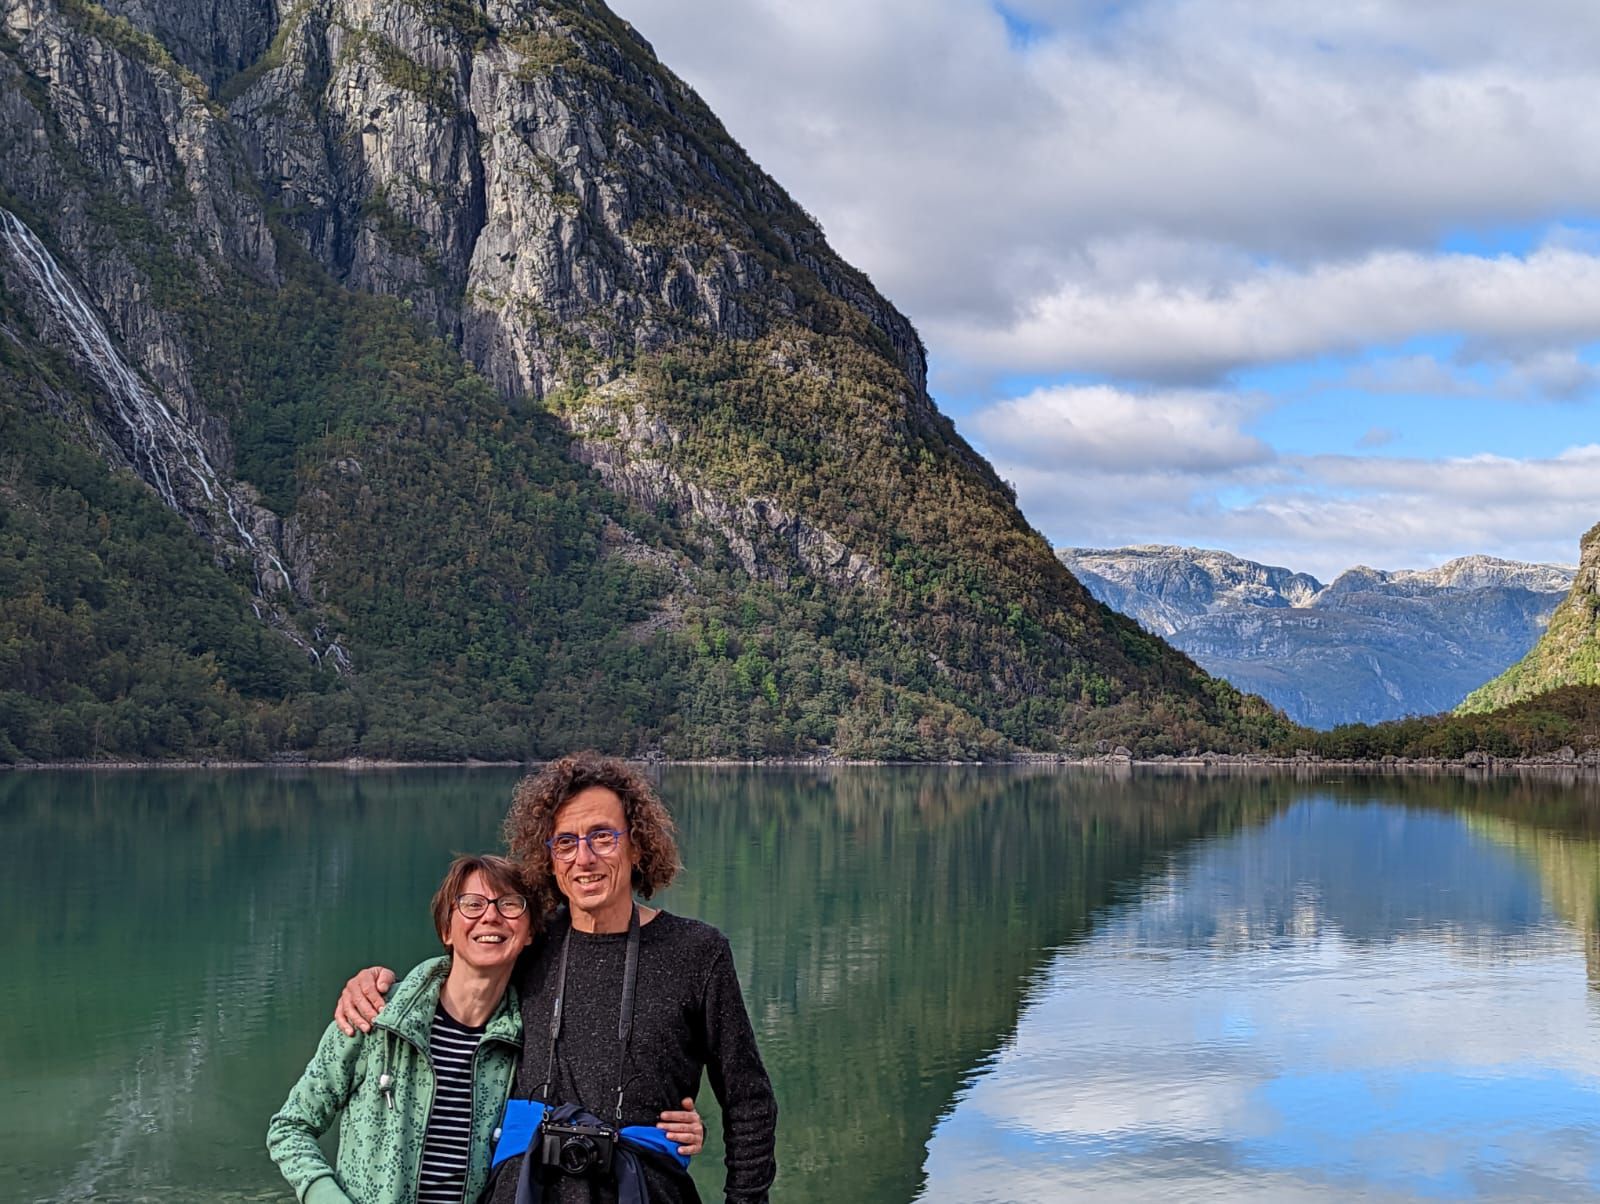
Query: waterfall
[[163, 443], [165, 448]]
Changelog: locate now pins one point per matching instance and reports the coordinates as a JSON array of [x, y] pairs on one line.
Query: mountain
[[1567, 654], [440, 379], [1371, 646], [1166, 588]]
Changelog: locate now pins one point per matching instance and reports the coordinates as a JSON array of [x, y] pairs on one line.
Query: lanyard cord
[[630, 979]]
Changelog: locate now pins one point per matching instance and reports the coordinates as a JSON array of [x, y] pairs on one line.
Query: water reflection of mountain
[[1551, 823], [1569, 871], [888, 925], [1376, 874]]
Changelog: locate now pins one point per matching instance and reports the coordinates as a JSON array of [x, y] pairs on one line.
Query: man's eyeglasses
[[473, 906], [602, 842]]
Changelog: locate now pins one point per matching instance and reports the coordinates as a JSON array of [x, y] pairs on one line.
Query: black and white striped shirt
[[446, 1147]]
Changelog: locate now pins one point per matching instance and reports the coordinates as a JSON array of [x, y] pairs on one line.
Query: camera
[[576, 1149]]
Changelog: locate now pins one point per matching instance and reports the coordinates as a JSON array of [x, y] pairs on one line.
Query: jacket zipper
[[472, 1129], [433, 1083]]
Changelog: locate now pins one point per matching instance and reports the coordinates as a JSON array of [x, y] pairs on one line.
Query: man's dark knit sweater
[[688, 1014]]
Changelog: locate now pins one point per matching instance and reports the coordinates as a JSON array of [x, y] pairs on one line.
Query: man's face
[[598, 888]]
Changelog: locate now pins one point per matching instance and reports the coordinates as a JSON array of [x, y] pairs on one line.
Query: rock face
[[216, 39], [536, 183], [1567, 654], [1371, 646], [1166, 588], [477, 351], [625, 445], [527, 176], [136, 427]]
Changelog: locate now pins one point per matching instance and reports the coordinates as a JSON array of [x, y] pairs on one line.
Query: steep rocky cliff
[[1371, 646], [1567, 654], [497, 380]]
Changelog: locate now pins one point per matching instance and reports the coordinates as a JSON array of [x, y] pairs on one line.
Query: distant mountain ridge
[[1372, 645]]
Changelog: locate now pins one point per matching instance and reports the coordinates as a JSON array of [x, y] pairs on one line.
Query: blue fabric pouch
[[524, 1116], [521, 1121], [647, 1137]]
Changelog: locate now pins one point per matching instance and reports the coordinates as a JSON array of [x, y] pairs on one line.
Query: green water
[[910, 942]]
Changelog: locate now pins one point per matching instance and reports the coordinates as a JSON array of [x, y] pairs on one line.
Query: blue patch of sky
[[1519, 238], [1022, 31], [1319, 408], [1082, 18], [1237, 497]]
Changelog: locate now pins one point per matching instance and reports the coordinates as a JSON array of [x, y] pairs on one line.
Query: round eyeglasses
[[602, 842], [473, 906]]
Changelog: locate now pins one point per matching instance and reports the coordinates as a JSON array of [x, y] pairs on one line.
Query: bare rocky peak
[[1462, 573], [1372, 645], [1588, 579], [538, 185], [1165, 586], [525, 173]]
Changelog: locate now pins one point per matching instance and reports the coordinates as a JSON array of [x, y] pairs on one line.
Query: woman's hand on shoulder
[[362, 999], [685, 1128]]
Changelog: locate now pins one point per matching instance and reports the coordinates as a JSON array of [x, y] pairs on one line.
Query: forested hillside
[[1568, 654], [435, 380]]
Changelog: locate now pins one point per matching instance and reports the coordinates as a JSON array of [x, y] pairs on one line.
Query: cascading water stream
[[161, 439], [164, 444]]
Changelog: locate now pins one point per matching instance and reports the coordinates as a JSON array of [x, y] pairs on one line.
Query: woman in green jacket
[[421, 1095]]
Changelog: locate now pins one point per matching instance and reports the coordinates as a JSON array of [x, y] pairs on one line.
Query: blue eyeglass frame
[[588, 839]]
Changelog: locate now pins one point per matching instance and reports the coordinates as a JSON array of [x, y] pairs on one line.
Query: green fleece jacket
[[380, 1133]]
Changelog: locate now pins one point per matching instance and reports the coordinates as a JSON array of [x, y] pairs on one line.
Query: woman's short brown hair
[[531, 820], [503, 875]]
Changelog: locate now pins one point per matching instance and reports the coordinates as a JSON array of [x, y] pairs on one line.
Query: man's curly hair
[[531, 821]]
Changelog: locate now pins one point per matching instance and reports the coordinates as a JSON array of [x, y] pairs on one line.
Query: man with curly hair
[[623, 1005]]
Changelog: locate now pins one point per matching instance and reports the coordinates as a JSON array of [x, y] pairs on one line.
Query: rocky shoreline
[[1566, 759]]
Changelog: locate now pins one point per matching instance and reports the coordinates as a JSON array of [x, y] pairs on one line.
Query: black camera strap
[[630, 980]]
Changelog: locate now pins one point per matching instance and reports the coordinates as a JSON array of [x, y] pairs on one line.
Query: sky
[[1317, 284]]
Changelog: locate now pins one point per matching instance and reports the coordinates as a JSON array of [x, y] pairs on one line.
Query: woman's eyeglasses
[[473, 906]]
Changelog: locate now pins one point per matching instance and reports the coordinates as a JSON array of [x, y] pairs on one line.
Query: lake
[[969, 984]]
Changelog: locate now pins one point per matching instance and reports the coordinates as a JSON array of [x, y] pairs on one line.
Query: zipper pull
[[386, 1085]]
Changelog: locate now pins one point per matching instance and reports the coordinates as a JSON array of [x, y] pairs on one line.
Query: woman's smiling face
[[489, 942]]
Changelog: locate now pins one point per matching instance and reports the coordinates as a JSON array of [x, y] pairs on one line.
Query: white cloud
[[1156, 329], [1087, 476], [967, 175], [1556, 374], [1540, 374], [1110, 430]]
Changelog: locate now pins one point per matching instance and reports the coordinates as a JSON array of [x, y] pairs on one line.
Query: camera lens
[[578, 1154]]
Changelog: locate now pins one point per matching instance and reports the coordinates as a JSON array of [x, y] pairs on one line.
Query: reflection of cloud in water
[[1349, 1001]]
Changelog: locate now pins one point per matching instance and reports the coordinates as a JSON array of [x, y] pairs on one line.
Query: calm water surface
[[969, 985]]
